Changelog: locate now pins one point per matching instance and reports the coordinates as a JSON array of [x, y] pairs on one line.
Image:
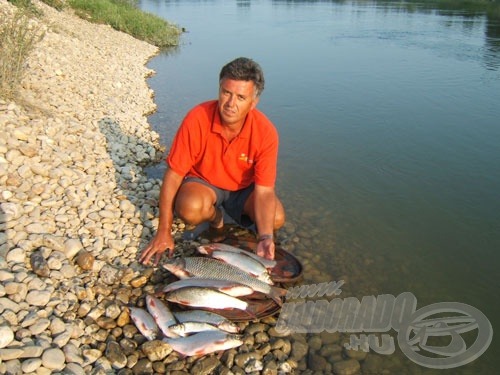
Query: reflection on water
[[492, 50], [388, 117]]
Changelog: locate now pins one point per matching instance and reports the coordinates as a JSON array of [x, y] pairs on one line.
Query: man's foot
[[218, 221], [216, 231], [215, 234]]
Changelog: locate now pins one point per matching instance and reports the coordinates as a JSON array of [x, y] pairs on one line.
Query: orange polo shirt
[[200, 150]]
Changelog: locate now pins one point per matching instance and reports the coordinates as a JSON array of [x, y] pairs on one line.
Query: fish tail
[[276, 294]]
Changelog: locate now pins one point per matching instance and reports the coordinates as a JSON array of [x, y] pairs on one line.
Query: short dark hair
[[244, 69]]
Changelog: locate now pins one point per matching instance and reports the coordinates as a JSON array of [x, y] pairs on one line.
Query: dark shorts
[[232, 202]]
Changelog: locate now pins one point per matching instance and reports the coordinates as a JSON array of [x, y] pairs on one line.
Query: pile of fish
[[210, 332], [215, 281]]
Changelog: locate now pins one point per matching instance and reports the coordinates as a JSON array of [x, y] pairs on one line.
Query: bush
[[18, 37]]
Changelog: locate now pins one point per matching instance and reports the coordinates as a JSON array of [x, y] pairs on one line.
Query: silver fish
[[203, 343], [209, 317], [244, 262], [182, 329], [209, 248], [144, 322], [203, 297], [216, 269], [229, 287], [161, 314]]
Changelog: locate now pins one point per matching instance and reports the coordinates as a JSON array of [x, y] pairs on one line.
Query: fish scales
[[209, 248], [229, 287], [205, 342], [202, 316], [161, 314], [182, 329], [206, 267], [144, 322], [245, 263], [204, 297], [216, 269]]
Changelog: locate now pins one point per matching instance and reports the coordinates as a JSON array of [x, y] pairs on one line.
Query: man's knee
[[189, 211], [279, 218]]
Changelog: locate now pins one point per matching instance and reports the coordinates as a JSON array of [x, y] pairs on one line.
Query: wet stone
[[356, 354], [315, 343], [330, 338], [299, 350], [270, 368], [156, 350], [205, 366], [115, 355], [347, 367], [143, 367], [175, 366], [316, 362], [243, 358], [273, 332]]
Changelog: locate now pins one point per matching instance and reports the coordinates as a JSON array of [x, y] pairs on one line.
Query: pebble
[[38, 297], [85, 260], [156, 350], [347, 367], [39, 264], [53, 359]]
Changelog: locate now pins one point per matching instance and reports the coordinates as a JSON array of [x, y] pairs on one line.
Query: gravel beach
[[76, 207]]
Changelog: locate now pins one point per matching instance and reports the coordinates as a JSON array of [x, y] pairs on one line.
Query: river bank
[[72, 149], [76, 208]]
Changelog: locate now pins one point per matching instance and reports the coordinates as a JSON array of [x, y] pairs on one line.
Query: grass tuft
[[18, 37]]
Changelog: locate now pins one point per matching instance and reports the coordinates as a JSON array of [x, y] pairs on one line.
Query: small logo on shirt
[[244, 157]]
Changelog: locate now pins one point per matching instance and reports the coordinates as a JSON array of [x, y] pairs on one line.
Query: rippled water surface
[[389, 120]]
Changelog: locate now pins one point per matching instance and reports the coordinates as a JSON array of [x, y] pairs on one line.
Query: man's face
[[236, 99]]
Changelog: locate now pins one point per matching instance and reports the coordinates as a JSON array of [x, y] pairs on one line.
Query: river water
[[389, 122]]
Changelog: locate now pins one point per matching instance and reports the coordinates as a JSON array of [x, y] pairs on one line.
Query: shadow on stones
[[3, 236], [131, 155]]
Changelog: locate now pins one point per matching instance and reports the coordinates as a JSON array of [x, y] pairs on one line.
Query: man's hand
[[156, 248], [265, 248]]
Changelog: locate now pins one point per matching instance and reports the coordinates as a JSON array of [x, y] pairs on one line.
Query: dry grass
[[18, 37]]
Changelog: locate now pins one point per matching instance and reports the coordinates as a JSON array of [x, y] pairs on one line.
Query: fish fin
[[276, 294]]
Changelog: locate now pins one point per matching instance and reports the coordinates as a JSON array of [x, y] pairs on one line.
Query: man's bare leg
[[279, 218], [195, 204]]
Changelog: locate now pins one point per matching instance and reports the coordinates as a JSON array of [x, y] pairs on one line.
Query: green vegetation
[[18, 37], [124, 16]]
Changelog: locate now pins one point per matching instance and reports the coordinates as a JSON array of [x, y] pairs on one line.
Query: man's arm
[[163, 239], [265, 211]]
